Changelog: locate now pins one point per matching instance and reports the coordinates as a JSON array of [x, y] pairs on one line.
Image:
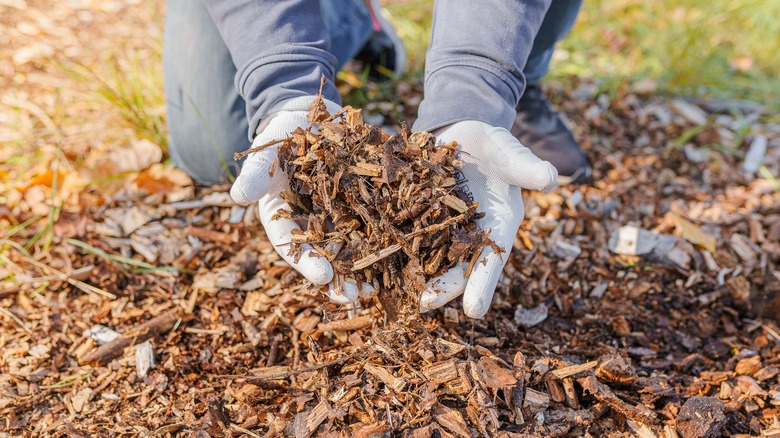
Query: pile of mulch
[[385, 210], [674, 335]]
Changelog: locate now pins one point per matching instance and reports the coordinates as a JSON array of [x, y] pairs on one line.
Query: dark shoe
[[539, 128], [383, 54]]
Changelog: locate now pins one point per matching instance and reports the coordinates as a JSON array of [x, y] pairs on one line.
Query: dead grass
[[74, 80]]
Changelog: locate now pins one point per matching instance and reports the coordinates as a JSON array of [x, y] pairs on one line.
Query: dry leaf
[[493, 374], [694, 234], [159, 179], [132, 157]]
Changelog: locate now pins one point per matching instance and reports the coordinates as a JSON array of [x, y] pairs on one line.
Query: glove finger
[[311, 264], [444, 288], [344, 291], [482, 283], [255, 179], [517, 165], [504, 215]]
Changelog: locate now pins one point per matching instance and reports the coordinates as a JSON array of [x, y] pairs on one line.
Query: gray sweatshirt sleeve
[[280, 49], [474, 65]]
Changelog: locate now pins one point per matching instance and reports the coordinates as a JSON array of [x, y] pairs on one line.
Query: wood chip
[[441, 372], [355, 323], [316, 417], [397, 384], [535, 401], [456, 203], [366, 169], [493, 374], [451, 420], [694, 234], [571, 370], [81, 399], [447, 348], [743, 247], [375, 257]]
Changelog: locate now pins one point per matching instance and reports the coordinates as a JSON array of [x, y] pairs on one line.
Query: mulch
[[165, 311]]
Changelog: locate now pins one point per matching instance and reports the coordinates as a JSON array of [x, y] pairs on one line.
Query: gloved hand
[[255, 184], [495, 167]]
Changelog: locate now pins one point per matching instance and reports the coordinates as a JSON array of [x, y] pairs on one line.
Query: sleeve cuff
[[457, 93], [268, 81]]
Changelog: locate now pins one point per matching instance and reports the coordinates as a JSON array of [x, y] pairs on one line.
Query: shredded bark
[[385, 210]]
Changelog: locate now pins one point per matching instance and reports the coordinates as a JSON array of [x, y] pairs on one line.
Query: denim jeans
[[206, 116], [557, 23]]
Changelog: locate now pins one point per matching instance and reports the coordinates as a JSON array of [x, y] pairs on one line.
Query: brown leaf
[[493, 374]]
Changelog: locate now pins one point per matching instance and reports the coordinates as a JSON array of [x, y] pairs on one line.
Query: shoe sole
[[400, 51], [580, 176]]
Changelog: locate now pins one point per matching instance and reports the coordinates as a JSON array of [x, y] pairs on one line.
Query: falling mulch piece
[[385, 210]]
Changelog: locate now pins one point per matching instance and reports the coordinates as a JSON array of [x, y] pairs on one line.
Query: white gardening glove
[[495, 167], [255, 184]]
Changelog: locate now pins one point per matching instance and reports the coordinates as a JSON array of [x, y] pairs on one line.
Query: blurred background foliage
[[708, 48]]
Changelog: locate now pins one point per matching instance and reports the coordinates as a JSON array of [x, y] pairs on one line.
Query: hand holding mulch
[[386, 211]]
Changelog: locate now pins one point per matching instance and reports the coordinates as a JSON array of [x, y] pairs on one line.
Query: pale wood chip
[[571, 370], [395, 383]]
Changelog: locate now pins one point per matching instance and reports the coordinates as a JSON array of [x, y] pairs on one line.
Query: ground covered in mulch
[[642, 304]]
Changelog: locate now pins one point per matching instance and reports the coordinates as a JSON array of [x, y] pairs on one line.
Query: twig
[[9, 314], [197, 331], [768, 329], [273, 351], [23, 402], [473, 262], [209, 234], [239, 155], [571, 370], [292, 373], [296, 359], [149, 329], [88, 288], [437, 227]]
